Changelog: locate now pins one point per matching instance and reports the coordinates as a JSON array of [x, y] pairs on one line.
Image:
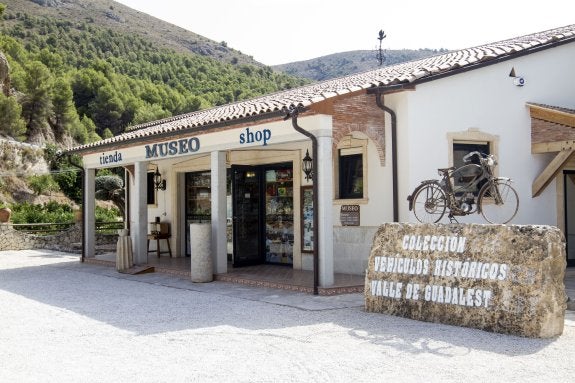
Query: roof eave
[[219, 124]]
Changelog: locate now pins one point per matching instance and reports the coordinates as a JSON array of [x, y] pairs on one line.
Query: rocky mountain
[[79, 71], [122, 19], [344, 63]]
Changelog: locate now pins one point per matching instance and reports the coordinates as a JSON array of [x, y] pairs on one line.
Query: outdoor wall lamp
[[307, 165], [159, 183]]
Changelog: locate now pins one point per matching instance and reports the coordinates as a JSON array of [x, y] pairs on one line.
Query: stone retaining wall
[[69, 240], [498, 278]]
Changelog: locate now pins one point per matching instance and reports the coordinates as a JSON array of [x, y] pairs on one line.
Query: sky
[[282, 31]]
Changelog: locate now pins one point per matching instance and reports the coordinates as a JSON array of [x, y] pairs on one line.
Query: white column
[[219, 210], [139, 214], [324, 165], [89, 213]]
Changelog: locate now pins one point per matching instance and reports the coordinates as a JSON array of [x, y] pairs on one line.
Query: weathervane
[[379, 54]]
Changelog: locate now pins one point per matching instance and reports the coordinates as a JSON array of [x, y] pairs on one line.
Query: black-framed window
[[461, 149], [464, 176], [350, 176], [151, 191]]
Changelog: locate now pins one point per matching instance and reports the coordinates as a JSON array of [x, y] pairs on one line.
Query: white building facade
[[378, 135]]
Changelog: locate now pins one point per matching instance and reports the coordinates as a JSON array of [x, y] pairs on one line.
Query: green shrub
[[107, 215], [43, 184], [50, 212], [54, 212]]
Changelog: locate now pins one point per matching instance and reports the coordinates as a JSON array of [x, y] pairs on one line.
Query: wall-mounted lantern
[[159, 183], [307, 165]]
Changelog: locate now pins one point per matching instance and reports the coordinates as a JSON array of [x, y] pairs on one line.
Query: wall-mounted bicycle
[[471, 188]]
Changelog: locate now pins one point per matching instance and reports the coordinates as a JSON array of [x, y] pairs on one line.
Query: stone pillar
[[324, 164], [201, 257], [90, 213], [219, 210], [139, 213]]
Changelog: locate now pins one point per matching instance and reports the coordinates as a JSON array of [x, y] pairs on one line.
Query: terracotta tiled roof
[[405, 73]]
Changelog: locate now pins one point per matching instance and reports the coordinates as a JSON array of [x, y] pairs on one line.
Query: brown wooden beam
[[550, 147], [549, 172], [552, 115]]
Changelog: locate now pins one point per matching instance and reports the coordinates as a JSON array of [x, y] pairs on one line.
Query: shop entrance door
[[263, 214], [247, 213], [569, 181]]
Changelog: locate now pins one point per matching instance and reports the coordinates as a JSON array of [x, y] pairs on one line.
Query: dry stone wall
[[499, 278], [69, 240]]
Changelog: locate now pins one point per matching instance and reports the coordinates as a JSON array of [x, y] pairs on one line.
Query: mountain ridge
[[121, 18], [345, 63]]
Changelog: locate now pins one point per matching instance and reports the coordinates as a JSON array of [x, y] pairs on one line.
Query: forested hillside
[[77, 80], [345, 63]]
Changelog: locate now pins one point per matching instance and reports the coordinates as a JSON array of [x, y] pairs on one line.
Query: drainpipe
[[83, 210], [379, 101], [293, 113]]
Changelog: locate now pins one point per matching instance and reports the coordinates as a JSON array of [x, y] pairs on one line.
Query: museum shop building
[[305, 177]]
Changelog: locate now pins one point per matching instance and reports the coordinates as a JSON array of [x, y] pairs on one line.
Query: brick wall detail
[[544, 131], [359, 113]]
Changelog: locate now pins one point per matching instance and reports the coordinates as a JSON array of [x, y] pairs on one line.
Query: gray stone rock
[[499, 278]]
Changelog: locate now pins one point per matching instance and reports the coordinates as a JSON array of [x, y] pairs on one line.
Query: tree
[[66, 175], [111, 188], [63, 107], [90, 129], [107, 133], [36, 104], [11, 122]]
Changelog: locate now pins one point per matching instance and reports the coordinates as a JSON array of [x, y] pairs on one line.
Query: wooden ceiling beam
[[552, 115]]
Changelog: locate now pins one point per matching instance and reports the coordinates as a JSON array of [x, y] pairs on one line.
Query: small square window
[[350, 176], [460, 150], [464, 175]]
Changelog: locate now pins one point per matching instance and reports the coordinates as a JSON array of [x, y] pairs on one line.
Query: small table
[[157, 237]]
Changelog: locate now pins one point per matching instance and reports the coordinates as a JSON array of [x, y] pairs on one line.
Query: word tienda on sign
[[172, 148], [258, 136], [110, 158]]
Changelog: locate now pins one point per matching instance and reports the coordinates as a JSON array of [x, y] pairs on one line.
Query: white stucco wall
[[488, 100]]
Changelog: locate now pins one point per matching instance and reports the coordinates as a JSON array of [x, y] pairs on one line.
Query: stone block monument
[[500, 278]]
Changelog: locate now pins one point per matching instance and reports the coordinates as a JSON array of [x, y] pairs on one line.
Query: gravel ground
[[63, 321]]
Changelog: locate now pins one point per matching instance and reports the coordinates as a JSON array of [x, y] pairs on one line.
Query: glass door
[[247, 216], [279, 234], [198, 201]]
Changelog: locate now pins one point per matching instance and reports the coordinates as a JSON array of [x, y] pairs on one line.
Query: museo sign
[[499, 278]]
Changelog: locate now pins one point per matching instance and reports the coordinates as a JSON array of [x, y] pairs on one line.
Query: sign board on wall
[[349, 215], [499, 278]]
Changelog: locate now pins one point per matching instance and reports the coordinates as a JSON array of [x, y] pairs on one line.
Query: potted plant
[[5, 213]]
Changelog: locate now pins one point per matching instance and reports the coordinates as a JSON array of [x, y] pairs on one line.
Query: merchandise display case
[[198, 201], [279, 232], [198, 191]]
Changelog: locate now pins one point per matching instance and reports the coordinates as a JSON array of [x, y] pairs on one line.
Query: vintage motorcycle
[[471, 188]]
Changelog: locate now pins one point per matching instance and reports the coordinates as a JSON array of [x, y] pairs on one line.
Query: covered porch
[[265, 275]]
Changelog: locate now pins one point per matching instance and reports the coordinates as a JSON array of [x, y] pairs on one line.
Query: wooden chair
[[162, 232]]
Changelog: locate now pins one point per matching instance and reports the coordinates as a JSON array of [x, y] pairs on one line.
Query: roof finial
[[380, 55]]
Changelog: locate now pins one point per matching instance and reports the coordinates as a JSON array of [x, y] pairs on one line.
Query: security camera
[[519, 81]]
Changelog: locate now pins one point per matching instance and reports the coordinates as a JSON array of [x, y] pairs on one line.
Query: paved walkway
[[66, 321]]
